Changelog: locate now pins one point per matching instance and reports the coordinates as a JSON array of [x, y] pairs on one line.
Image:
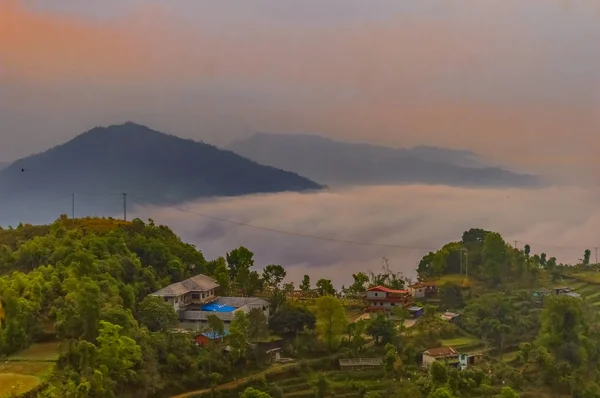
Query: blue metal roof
[[214, 307]]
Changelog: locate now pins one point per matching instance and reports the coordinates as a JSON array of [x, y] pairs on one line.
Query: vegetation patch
[[12, 384], [41, 352]]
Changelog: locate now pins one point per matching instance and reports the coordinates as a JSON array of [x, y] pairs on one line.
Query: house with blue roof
[[195, 298]]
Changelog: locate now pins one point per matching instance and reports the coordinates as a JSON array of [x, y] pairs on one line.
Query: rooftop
[[441, 352], [386, 289], [198, 283]]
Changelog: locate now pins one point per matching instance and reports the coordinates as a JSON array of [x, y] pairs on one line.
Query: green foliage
[[254, 393], [332, 320]]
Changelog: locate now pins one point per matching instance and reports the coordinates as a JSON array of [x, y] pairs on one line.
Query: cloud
[[516, 87], [416, 219]]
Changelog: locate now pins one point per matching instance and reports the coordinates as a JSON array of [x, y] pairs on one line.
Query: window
[[166, 299], [176, 299], [195, 296]]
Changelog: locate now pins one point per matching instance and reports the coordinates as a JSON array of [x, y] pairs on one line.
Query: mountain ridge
[[340, 162], [143, 162]]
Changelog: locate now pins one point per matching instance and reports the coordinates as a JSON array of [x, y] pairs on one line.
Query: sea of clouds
[[406, 221]]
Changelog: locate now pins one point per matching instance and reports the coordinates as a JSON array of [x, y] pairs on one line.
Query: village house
[[450, 357], [203, 339], [381, 298], [194, 299], [423, 289], [451, 317]]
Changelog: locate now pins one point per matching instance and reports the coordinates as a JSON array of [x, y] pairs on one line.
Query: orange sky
[[494, 79]]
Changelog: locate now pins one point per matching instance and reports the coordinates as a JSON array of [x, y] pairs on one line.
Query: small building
[[468, 359], [360, 363], [381, 298], [274, 355], [423, 289], [194, 300], [448, 355], [204, 338], [415, 312], [451, 317]]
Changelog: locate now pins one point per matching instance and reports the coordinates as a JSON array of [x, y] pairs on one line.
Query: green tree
[[322, 386], [508, 392], [332, 320], [292, 318], [254, 393], [258, 327], [325, 287], [359, 284], [586, 258], [117, 355], [157, 315], [238, 335], [240, 258], [273, 275], [305, 285]]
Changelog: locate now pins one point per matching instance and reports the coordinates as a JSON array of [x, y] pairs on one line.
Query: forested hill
[[134, 159], [339, 162]]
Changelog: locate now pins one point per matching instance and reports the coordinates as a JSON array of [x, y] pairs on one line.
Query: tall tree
[[305, 285], [273, 275], [332, 320], [325, 287]]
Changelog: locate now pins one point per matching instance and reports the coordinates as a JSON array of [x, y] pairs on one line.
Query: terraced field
[[28, 369]]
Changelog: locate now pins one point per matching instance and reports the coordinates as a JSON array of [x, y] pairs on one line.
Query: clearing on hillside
[[13, 384], [39, 352]]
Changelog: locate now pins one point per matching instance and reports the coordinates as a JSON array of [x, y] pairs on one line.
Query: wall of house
[[373, 295], [428, 360]]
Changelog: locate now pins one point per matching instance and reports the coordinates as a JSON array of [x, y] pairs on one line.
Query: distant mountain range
[[102, 163], [342, 163]]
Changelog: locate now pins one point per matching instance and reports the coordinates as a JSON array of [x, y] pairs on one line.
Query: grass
[[592, 277], [39, 352], [460, 342], [12, 384], [27, 369]]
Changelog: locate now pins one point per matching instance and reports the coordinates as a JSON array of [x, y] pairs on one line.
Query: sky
[[517, 81], [402, 223]]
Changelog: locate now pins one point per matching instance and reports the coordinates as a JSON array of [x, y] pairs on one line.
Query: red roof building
[[381, 298]]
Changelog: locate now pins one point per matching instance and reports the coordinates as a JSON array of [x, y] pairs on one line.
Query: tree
[[586, 258], [322, 386], [508, 392], [292, 318], [451, 295], [360, 280], [382, 329], [305, 285], [117, 355], [257, 324], [240, 258], [238, 335], [254, 393], [325, 287], [273, 275], [157, 315], [332, 320], [494, 256]]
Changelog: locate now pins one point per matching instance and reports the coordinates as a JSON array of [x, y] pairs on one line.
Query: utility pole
[[516, 245], [461, 261], [596, 250], [73, 205], [466, 261], [124, 206]]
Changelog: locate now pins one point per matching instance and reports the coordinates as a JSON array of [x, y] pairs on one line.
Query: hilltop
[[135, 159], [4, 165], [338, 162]]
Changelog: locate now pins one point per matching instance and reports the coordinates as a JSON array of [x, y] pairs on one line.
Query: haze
[[516, 81], [560, 222]]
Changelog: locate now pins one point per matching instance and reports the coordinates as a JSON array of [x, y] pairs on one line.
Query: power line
[[284, 232]]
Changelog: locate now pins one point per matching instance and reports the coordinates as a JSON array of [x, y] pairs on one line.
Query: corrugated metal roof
[[441, 352], [198, 283], [385, 289]]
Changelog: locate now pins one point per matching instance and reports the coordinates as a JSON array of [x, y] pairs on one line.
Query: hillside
[[134, 159], [337, 162], [4, 165]]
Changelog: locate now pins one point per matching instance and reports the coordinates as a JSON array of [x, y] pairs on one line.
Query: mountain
[[4, 165], [337, 162], [104, 162]]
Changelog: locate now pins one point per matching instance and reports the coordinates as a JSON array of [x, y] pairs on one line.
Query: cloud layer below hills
[[559, 221]]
